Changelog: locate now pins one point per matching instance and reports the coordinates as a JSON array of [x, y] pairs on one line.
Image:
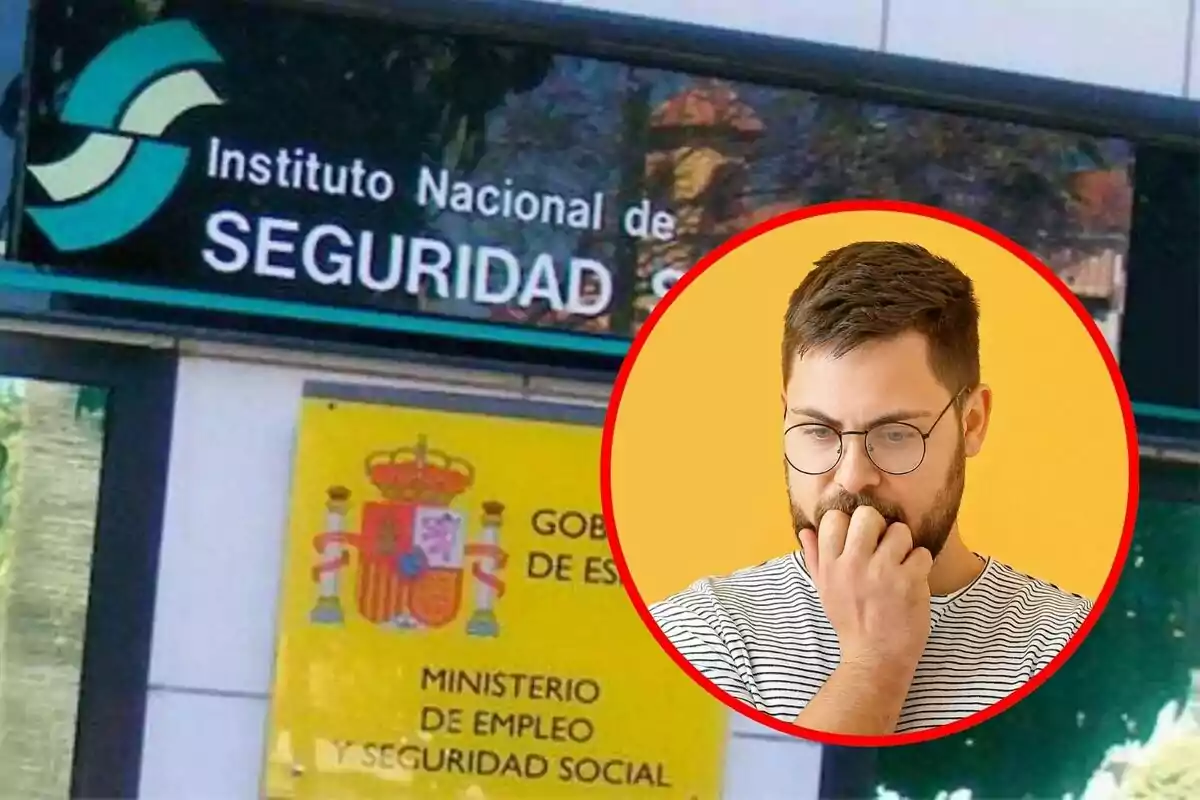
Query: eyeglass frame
[[843, 434]]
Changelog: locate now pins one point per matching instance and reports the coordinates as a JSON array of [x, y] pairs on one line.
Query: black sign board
[[261, 159]]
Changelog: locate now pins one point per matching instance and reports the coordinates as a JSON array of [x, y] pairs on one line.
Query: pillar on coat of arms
[[483, 620], [333, 556]]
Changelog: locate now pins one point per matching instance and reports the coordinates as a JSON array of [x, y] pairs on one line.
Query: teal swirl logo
[[127, 97]]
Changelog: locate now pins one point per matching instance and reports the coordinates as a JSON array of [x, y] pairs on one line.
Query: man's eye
[[897, 435]]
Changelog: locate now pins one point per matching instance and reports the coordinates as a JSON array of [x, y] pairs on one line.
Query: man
[[884, 622]]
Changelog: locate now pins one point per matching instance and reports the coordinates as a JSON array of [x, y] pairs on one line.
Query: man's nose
[[856, 472]]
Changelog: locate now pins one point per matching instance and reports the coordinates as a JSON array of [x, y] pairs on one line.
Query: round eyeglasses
[[896, 448]]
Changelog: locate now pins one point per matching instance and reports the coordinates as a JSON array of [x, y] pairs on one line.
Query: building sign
[[293, 155], [452, 626]]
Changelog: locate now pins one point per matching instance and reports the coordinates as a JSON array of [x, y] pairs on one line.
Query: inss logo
[[120, 176]]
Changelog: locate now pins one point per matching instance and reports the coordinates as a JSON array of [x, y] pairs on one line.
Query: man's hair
[[870, 291]]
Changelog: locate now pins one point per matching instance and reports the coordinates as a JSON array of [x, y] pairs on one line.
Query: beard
[[931, 531]]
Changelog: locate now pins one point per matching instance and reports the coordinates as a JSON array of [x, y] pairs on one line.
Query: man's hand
[[874, 586]]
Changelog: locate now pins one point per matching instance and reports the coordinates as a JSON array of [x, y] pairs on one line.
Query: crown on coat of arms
[[419, 475]]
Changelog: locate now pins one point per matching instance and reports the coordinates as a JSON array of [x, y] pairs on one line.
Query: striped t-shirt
[[761, 635]]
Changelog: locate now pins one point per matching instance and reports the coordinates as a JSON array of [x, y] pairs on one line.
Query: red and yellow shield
[[402, 573]]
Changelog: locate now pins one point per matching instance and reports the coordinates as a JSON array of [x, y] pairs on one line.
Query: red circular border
[[606, 467]]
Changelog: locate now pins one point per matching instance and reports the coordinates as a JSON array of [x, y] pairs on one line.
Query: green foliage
[[11, 421], [1137, 659], [90, 401]]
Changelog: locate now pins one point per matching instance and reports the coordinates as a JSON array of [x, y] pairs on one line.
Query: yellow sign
[[452, 624]]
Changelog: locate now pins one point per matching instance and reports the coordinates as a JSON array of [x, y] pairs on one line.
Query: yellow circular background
[[697, 486]]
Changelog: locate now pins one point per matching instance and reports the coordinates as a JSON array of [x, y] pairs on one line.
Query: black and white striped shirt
[[761, 635]]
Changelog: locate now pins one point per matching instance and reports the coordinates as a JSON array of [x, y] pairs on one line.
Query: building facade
[[287, 285]]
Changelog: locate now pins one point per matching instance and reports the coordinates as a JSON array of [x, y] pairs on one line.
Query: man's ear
[[977, 414]]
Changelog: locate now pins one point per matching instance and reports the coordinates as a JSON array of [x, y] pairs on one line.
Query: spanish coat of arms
[[412, 547]]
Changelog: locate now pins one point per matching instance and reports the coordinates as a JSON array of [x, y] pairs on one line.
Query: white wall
[[1193, 81], [213, 648], [1129, 44]]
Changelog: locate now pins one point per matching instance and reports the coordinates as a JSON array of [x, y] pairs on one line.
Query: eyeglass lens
[[896, 447]]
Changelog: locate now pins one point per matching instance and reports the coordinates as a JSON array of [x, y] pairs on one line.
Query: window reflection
[[50, 448], [1124, 711]]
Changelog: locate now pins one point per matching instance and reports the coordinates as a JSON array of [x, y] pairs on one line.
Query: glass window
[[1135, 678], [51, 442]]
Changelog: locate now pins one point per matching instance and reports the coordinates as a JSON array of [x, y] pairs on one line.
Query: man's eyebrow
[[902, 415]]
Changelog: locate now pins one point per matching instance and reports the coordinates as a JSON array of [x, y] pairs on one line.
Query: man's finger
[[896, 544], [808, 546], [862, 538], [920, 561], [831, 535]]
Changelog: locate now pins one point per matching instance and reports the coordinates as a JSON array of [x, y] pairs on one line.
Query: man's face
[[884, 380]]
